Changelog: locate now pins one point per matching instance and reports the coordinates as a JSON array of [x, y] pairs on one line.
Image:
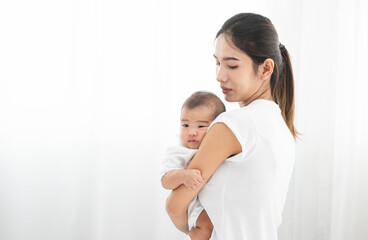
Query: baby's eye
[[185, 125], [202, 126]]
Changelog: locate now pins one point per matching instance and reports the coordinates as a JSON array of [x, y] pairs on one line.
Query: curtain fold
[[328, 197]]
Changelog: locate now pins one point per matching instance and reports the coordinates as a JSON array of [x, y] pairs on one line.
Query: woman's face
[[235, 72]]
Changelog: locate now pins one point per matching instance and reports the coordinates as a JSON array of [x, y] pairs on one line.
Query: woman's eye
[[217, 63], [233, 67]]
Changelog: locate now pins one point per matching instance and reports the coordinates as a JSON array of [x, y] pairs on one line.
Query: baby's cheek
[[202, 136]]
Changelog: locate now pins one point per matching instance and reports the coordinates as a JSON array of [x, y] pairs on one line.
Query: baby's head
[[197, 113]]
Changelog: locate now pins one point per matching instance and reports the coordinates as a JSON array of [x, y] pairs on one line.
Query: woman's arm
[[218, 144], [173, 179]]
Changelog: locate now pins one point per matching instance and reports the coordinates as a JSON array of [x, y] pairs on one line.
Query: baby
[[197, 113]]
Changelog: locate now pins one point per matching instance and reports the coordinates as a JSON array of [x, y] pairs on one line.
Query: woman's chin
[[230, 99]]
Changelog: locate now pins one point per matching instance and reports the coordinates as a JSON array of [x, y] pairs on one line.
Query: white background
[[90, 97]]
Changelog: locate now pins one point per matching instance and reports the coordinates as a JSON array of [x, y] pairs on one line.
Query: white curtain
[[329, 195], [90, 96]]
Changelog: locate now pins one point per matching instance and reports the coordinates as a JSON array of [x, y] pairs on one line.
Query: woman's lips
[[225, 90]]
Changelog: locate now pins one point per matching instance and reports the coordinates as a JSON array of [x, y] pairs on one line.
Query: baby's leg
[[204, 228]]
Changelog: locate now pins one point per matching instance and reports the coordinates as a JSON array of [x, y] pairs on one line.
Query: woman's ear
[[266, 69]]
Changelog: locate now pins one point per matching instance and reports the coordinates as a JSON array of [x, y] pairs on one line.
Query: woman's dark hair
[[256, 36]]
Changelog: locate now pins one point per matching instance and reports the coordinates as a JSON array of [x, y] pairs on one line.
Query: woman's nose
[[221, 74]]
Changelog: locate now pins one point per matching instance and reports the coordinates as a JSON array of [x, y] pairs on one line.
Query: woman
[[247, 157]]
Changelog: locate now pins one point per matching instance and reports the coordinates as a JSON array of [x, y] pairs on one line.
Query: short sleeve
[[177, 157], [244, 129]]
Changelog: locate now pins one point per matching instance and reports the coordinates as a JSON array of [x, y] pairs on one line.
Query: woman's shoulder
[[239, 121], [241, 124], [240, 114]]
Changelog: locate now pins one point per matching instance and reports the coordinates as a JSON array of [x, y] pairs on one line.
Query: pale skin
[[240, 83], [194, 124], [193, 127], [191, 178], [207, 159]]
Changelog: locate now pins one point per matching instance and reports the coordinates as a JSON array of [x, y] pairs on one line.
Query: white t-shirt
[[245, 196], [178, 157]]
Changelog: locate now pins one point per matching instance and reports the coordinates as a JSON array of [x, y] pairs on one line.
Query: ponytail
[[256, 36], [282, 90]]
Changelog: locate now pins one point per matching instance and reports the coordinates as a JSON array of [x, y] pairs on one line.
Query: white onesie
[[178, 157]]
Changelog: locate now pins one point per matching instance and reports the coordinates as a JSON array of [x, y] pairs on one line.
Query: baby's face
[[194, 123]]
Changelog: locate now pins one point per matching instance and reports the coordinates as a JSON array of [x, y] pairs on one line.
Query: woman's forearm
[[179, 219], [173, 179], [217, 145], [177, 204]]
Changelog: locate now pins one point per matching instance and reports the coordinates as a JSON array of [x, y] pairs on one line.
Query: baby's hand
[[192, 179]]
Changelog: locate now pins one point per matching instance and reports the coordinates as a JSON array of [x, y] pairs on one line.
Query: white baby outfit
[[178, 157]]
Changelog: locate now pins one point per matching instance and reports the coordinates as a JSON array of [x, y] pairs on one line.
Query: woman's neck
[[266, 95]]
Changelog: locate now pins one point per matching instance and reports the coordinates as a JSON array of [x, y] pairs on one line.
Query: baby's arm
[[191, 178]]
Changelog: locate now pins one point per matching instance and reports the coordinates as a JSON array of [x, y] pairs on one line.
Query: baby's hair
[[208, 99]]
